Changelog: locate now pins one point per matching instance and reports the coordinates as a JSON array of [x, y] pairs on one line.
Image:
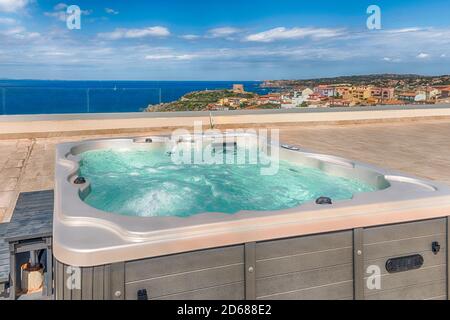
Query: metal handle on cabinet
[[435, 247], [142, 294]]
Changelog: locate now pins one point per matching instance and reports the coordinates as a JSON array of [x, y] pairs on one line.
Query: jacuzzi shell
[[84, 236]]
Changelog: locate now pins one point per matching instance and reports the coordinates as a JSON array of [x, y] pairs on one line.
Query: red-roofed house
[[325, 91]]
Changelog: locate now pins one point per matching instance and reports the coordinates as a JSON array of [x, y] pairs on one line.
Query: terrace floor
[[421, 148]]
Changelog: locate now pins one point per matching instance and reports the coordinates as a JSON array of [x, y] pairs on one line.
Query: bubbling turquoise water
[[147, 183]]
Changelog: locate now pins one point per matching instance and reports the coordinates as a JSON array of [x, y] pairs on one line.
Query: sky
[[221, 40]]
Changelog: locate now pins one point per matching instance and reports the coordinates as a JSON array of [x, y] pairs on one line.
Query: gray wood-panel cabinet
[[351, 264]]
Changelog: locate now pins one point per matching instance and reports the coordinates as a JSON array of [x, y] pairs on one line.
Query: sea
[[56, 97]]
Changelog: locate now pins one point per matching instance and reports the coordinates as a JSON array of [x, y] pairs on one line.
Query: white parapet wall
[[60, 125]]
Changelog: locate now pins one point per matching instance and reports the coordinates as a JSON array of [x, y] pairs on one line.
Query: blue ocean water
[[51, 97]]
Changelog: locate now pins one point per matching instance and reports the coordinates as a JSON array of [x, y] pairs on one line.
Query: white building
[[307, 92], [294, 102], [297, 99], [420, 97]]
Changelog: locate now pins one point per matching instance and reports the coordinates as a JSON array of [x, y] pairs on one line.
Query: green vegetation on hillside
[[198, 101]]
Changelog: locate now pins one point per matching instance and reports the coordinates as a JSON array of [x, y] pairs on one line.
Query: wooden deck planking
[[32, 217], [4, 255]]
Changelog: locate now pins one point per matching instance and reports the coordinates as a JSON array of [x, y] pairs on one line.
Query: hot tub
[[317, 243]]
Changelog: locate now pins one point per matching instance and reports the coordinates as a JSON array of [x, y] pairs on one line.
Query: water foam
[[146, 183]]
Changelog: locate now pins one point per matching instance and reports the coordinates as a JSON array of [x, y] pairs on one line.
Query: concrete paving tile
[[6, 198], [23, 149], [8, 184], [419, 148], [19, 155], [14, 163], [10, 172], [2, 214]]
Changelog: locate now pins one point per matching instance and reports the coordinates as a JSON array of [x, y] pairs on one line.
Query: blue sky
[[221, 40]]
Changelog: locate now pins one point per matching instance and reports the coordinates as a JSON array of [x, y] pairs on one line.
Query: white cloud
[[392, 50], [190, 36], [111, 11], [121, 33], [388, 59], [170, 56], [417, 35], [223, 32], [423, 55], [7, 21], [13, 31], [12, 5], [19, 33], [282, 33], [60, 15], [59, 12], [60, 6], [443, 55], [58, 53], [405, 30]]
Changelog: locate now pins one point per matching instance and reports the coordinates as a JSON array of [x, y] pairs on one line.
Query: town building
[[295, 99], [325, 90], [307, 92], [420, 97], [361, 92], [314, 97], [341, 103], [445, 93], [382, 94], [238, 88], [217, 107], [294, 102], [343, 92], [234, 102], [272, 98], [407, 96]]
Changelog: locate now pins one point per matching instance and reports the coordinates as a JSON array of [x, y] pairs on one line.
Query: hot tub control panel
[[407, 263]]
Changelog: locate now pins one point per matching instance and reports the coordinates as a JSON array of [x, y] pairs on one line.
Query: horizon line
[[231, 80]]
